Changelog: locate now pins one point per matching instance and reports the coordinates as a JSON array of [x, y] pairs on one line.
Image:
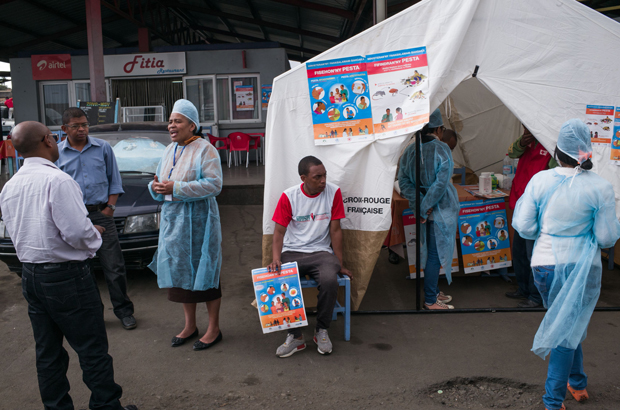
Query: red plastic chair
[[214, 140], [256, 138], [239, 141]]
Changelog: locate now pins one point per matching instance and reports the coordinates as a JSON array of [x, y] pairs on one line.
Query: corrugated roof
[[304, 27]]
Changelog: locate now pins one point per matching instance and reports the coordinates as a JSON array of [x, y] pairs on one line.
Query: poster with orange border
[[340, 101], [484, 235], [399, 91], [279, 298], [615, 139], [409, 222], [600, 121]]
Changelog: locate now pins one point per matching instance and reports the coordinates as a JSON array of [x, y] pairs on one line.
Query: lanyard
[[174, 158]]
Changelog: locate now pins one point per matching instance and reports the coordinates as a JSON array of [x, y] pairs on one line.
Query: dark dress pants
[[522, 256], [113, 264], [64, 301], [323, 267]]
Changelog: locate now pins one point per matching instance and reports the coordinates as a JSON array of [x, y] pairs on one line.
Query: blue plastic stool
[[345, 310]]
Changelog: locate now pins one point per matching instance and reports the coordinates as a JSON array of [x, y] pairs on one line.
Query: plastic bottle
[[494, 181], [507, 168], [485, 183], [515, 162]]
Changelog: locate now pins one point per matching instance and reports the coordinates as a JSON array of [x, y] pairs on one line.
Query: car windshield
[[137, 151]]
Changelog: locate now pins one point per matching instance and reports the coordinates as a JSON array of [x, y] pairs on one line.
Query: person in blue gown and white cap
[[571, 213], [439, 207], [189, 257]]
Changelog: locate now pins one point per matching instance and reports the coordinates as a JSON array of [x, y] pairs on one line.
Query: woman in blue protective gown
[[439, 207], [570, 212], [189, 256]]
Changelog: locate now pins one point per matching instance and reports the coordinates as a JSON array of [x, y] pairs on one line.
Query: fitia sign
[[134, 65], [51, 67]]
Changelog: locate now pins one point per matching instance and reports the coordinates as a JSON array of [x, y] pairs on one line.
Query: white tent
[[544, 60]]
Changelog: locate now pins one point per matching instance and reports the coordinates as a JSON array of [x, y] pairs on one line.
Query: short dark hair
[[70, 113], [306, 162], [448, 134]]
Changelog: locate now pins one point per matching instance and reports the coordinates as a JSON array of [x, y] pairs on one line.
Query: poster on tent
[[265, 95], [484, 237], [244, 97], [410, 236], [615, 140], [279, 298], [340, 101], [599, 119], [399, 91]]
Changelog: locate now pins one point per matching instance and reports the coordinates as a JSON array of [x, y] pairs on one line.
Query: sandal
[[579, 395]]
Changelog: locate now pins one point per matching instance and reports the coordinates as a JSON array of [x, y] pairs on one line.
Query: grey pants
[[113, 264], [323, 267]]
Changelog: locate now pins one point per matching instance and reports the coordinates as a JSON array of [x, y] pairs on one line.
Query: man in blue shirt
[[92, 164]]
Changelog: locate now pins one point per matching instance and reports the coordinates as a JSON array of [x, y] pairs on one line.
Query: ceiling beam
[[256, 16], [137, 23], [356, 19], [256, 39], [51, 37], [398, 7], [347, 14], [258, 22], [32, 33]]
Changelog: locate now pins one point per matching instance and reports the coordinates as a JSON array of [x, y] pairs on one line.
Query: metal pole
[[95, 50], [418, 224], [380, 10]]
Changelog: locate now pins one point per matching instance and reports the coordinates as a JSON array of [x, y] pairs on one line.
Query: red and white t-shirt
[[307, 218]]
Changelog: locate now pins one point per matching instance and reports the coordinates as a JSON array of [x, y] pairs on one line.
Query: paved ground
[[477, 361]]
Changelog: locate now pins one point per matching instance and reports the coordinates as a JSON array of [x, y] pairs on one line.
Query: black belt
[[54, 265], [96, 208]]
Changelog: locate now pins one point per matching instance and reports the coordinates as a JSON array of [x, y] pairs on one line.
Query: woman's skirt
[[180, 295]]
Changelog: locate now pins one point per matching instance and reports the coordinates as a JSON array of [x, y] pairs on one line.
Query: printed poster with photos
[[340, 101], [484, 237], [244, 97], [399, 91], [615, 140], [600, 121], [410, 236], [265, 95], [279, 298]]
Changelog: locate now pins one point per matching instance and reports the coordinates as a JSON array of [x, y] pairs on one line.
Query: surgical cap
[[187, 109], [574, 140], [435, 120]]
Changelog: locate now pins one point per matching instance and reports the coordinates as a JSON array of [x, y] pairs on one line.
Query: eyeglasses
[[55, 136], [78, 126]]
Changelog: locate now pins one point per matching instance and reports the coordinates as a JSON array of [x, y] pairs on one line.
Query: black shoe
[[515, 295], [529, 303], [393, 257], [129, 322], [178, 341], [198, 345], [130, 407]]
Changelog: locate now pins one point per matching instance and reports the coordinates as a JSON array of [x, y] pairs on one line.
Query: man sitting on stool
[[307, 221]]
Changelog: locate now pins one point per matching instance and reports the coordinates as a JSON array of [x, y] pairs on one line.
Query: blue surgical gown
[[190, 236], [580, 217], [436, 168]]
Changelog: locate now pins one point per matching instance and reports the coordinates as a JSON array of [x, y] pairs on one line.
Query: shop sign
[[123, 65], [51, 67]]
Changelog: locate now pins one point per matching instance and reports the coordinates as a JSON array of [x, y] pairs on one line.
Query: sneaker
[[323, 344], [291, 346], [579, 395], [444, 298], [438, 305]]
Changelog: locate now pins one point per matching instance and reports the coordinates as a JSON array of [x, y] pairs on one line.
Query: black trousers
[[521, 260], [323, 267], [113, 264], [64, 302]]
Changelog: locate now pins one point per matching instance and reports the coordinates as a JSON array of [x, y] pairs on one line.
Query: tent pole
[[418, 225]]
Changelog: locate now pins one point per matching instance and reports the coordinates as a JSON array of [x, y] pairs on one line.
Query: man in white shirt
[[45, 216], [307, 221]]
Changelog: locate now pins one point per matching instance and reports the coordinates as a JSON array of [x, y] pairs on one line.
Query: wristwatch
[[112, 207]]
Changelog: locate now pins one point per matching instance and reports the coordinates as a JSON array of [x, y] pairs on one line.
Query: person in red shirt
[[308, 232], [533, 158]]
